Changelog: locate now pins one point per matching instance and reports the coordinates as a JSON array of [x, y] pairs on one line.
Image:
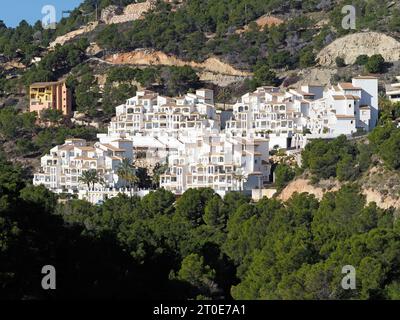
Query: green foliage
[[49, 137], [375, 64], [87, 94], [25, 40], [389, 150], [362, 60], [178, 80], [385, 141], [57, 63], [263, 76], [184, 32], [116, 95], [340, 62], [192, 204], [388, 111], [195, 272], [51, 115], [13, 124], [154, 248], [336, 158], [303, 259], [307, 58], [89, 178], [8, 125], [215, 214], [370, 15], [283, 174]]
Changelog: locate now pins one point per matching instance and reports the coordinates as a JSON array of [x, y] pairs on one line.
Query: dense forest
[[202, 246]]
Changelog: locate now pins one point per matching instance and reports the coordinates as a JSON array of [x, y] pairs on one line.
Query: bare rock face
[[147, 57], [131, 12], [61, 40], [93, 49], [110, 12], [351, 46]]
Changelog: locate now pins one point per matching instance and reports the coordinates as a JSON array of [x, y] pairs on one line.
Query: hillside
[[351, 46], [337, 201], [225, 43], [177, 46]]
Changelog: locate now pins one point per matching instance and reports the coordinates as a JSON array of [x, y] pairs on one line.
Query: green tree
[[127, 173], [307, 58], [89, 177], [375, 64], [215, 213], [283, 174], [263, 76], [158, 170], [192, 203], [197, 273], [340, 63], [362, 60], [52, 115]]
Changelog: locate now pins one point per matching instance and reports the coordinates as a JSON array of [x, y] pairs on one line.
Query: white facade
[[185, 132], [154, 115], [286, 118], [61, 168], [393, 91], [219, 161]]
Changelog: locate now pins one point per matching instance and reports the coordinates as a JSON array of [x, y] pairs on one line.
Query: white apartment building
[[61, 168], [393, 91], [219, 161], [288, 118], [268, 112], [153, 115], [185, 132]]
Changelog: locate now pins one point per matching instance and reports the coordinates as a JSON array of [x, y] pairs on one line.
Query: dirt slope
[[145, 57], [73, 34], [371, 195]]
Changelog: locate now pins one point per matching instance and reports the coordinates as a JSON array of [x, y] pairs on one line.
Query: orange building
[[50, 95]]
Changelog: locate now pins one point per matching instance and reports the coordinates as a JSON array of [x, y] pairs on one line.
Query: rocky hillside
[[353, 45], [382, 193], [230, 46]]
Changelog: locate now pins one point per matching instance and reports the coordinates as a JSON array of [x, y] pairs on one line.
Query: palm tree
[[127, 173], [240, 177], [158, 170], [89, 178], [102, 182]]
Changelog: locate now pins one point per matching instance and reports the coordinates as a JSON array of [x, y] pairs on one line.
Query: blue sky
[[13, 11]]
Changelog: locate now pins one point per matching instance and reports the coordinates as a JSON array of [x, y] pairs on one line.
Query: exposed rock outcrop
[[145, 57], [221, 80], [262, 22], [304, 185], [351, 46], [61, 40], [135, 11], [110, 12], [93, 49]]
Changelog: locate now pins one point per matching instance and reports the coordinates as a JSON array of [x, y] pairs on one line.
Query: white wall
[[369, 96]]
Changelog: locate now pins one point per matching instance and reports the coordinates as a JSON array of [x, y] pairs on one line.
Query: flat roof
[[348, 86], [45, 84], [365, 77]]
